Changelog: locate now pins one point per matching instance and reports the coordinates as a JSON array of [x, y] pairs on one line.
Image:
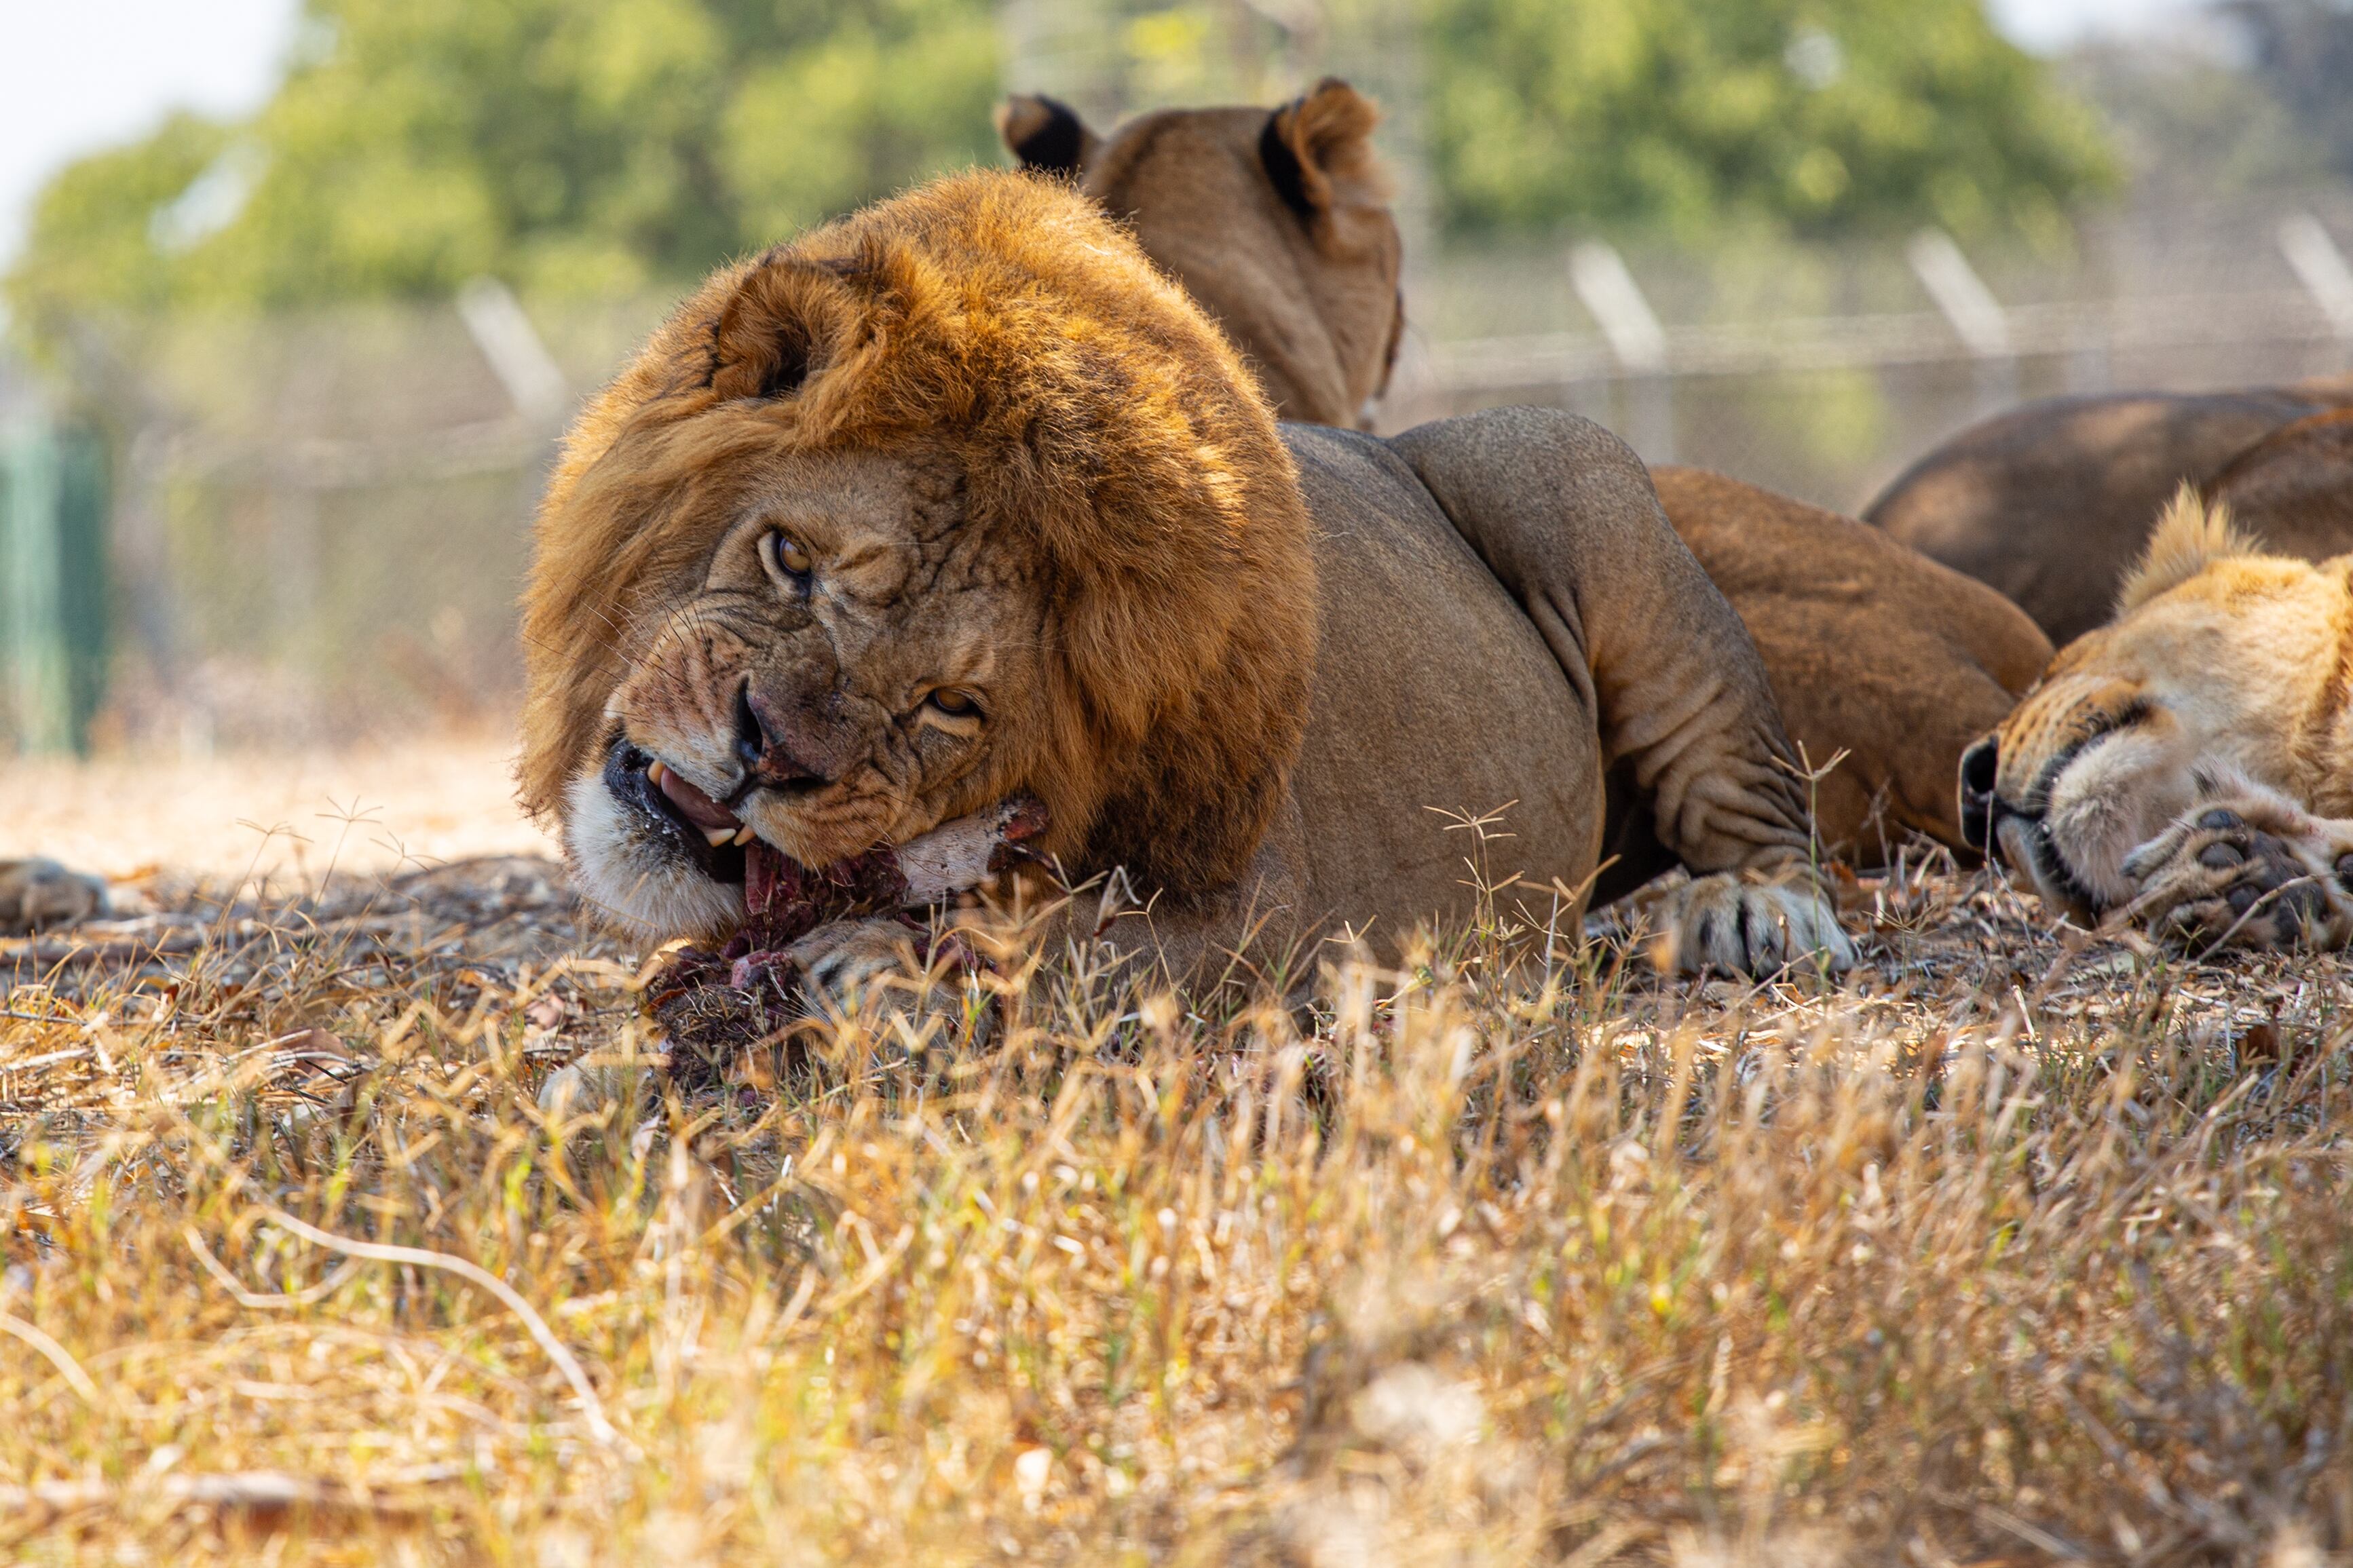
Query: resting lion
[[958, 500], [2190, 764], [2050, 503], [1277, 220], [1277, 223]]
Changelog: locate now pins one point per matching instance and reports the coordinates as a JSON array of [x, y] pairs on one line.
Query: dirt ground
[[286, 817]]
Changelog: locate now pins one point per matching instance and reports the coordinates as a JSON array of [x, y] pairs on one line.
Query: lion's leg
[[1564, 516], [2247, 866]]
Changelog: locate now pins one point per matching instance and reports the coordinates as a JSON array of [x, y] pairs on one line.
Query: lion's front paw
[[2247, 870], [854, 966], [1727, 923], [35, 893]]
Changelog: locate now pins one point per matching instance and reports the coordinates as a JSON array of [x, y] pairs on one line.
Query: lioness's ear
[[1314, 141], [2191, 534], [785, 322], [1045, 135]]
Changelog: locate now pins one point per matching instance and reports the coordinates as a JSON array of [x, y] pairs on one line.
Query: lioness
[[2192, 763], [2051, 501], [959, 499], [1277, 222]]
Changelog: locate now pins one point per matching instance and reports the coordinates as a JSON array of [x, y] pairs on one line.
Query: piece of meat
[[710, 1006]]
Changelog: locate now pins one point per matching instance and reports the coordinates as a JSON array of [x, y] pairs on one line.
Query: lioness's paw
[[2249, 869], [1722, 922], [36, 893]]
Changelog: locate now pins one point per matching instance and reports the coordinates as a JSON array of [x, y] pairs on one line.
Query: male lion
[[1277, 222], [2050, 502], [958, 500], [2191, 764]]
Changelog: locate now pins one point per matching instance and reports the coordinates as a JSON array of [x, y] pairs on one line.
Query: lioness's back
[[1432, 691]]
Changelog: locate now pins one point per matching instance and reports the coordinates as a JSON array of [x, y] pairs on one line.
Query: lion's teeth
[[715, 836], [656, 773], [746, 835]]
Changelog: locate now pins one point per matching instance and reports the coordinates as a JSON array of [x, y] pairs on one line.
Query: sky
[[79, 75]]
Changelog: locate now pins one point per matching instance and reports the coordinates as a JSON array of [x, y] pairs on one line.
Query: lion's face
[[2092, 763], [952, 500], [2213, 670], [857, 665]]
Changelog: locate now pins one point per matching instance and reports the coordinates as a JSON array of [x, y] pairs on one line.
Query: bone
[[957, 856]]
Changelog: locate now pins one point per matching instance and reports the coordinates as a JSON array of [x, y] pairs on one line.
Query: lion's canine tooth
[[715, 836], [746, 835], [656, 772]]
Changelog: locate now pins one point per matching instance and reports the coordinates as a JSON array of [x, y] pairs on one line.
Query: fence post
[[1637, 341], [53, 560], [2321, 267], [1975, 316]]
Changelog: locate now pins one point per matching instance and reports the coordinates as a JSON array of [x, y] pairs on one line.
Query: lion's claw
[[1737, 925]]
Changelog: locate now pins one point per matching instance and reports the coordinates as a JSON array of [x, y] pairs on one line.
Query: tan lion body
[[1874, 651], [2191, 762], [958, 497]]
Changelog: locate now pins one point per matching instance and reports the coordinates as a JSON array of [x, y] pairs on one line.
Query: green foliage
[[597, 147], [571, 146], [1685, 114]]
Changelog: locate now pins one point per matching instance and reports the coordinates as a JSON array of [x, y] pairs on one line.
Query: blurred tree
[[601, 146], [587, 146], [1815, 115]]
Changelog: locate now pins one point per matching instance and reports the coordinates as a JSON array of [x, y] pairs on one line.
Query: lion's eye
[[949, 701], [786, 559]]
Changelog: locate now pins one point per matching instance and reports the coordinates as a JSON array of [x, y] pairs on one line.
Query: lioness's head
[[2212, 668], [1276, 220], [952, 498]]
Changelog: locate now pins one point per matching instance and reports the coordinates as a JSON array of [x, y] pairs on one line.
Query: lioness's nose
[[1979, 765]]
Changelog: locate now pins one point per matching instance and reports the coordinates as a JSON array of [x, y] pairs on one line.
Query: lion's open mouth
[[715, 837]]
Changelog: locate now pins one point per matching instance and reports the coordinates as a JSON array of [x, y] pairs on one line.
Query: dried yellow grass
[[2015, 1247]]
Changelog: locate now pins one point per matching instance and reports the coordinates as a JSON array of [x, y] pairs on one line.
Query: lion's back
[[1434, 695]]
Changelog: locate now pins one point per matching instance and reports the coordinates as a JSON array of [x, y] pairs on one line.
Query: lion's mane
[[1100, 425]]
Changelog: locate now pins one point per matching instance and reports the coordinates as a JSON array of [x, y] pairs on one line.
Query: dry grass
[[2010, 1249]]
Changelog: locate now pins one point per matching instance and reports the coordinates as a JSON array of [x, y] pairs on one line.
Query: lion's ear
[[1315, 143], [2190, 534], [785, 322], [1045, 135]]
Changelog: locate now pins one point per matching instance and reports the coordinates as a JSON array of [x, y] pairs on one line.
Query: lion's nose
[[1979, 766], [763, 742]]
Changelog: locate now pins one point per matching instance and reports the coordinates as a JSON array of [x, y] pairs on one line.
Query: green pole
[[84, 512], [41, 683]]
